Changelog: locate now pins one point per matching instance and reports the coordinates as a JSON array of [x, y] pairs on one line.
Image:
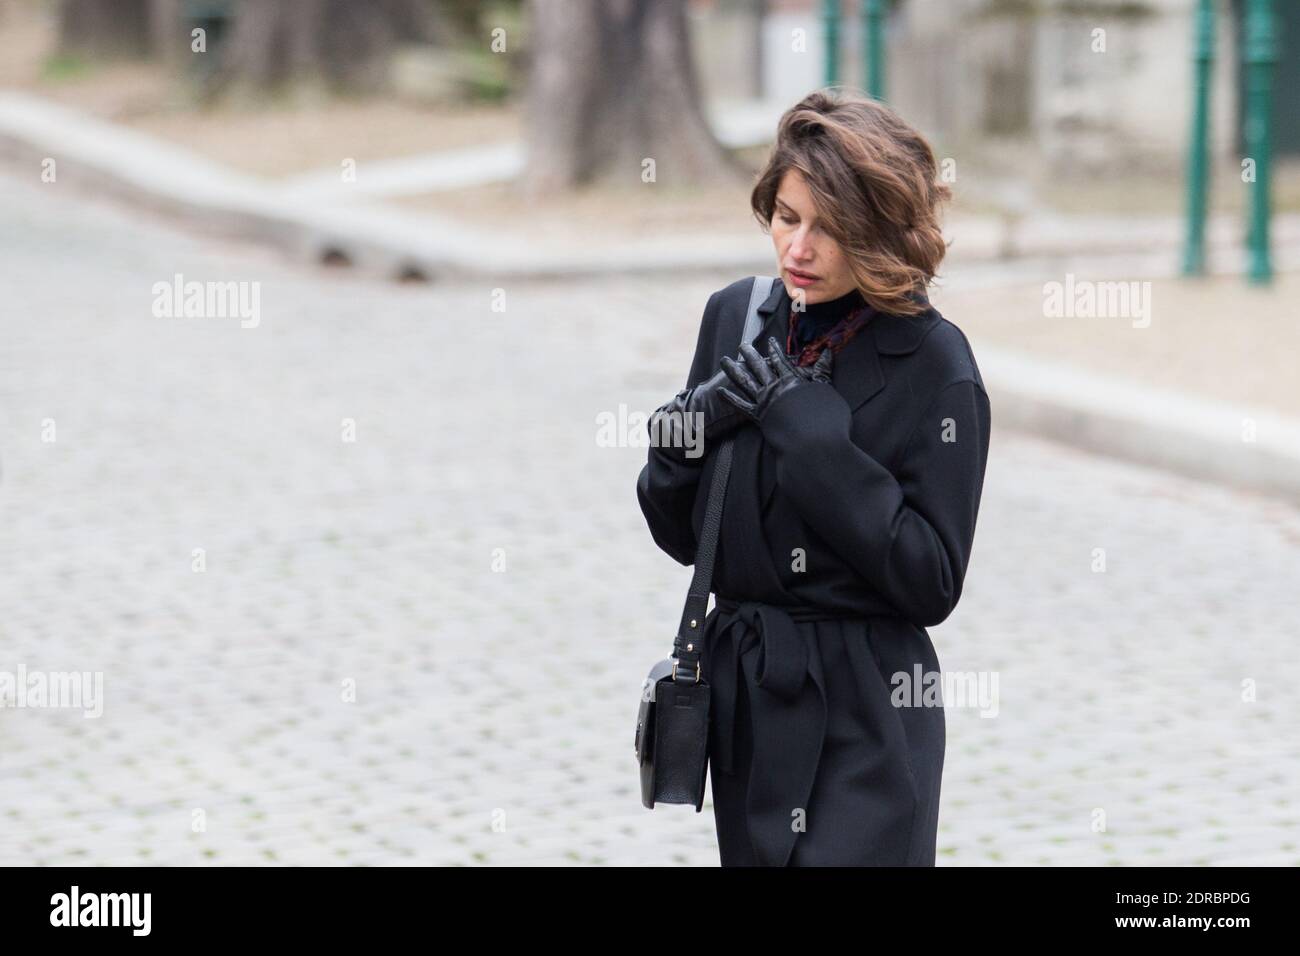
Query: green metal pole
[[873, 46], [1260, 54], [1198, 151], [831, 20]]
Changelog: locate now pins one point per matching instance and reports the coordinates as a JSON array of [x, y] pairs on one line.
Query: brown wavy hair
[[875, 183]]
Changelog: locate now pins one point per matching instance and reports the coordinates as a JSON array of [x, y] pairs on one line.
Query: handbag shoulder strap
[[686, 648], [762, 288]]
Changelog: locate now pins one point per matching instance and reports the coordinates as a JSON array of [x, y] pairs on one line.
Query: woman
[[858, 463]]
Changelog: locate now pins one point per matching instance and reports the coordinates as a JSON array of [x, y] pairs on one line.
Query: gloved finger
[[805, 371], [780, 361], [740, 376], [822, 367], [747, 407], [758, 366]]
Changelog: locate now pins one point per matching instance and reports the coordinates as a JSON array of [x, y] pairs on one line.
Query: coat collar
[[857, 374]]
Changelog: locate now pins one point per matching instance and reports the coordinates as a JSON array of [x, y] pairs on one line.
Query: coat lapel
[[775, 311]]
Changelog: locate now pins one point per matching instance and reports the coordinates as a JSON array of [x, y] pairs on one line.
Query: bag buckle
[[697, 670]]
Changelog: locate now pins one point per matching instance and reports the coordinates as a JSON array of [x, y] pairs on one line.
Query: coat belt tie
[[760, 644]]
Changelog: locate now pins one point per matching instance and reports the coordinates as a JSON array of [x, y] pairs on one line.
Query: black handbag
[[672, 724]]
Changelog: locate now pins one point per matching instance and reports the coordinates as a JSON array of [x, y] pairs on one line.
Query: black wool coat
[[847, 530]]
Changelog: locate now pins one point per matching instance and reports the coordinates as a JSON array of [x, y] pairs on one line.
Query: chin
[[811, 296]]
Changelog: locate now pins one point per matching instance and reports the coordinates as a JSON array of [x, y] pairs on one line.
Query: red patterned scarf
[[838, 336]]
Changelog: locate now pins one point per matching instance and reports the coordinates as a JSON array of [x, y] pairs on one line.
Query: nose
[[800, 247]]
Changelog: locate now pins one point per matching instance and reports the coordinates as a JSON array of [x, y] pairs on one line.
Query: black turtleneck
[[818, 317]]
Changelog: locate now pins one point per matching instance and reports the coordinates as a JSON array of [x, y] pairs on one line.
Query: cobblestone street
[[425, 646]]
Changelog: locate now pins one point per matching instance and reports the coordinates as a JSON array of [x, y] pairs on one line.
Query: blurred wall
[[963, 70]]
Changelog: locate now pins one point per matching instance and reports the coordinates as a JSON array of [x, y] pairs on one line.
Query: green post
[[1260, 54], [1197, 156], [831, 22], [873, 46]]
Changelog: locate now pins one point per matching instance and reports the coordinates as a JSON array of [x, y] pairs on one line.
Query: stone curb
[[1238, 445], [123, 164]]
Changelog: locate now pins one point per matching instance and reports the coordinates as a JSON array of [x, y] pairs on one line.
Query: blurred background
[[335, 555]]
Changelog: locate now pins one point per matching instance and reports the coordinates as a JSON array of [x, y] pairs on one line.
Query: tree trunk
[[169, 37], [341, 43], [105, 28], [612, 85]]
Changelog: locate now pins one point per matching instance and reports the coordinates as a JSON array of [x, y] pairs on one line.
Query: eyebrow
[[788, 208]]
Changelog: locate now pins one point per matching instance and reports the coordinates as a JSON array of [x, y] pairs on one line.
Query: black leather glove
[[760, 381], [817, 372], [695, 414]]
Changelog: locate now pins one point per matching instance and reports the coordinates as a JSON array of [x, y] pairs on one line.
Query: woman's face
[[810, 261]]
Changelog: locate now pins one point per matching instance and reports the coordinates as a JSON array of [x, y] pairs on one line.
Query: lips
[[803, 275]]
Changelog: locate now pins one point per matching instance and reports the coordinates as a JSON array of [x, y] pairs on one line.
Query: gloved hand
[[817, 372], [759, 382], [695, 414]]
